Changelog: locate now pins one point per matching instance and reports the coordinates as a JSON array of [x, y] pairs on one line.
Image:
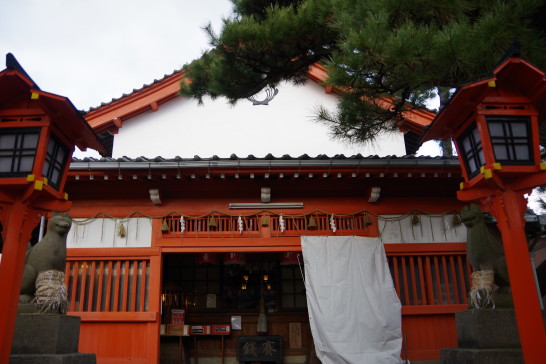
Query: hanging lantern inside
[[312, 225], [289, 258], [265, 220], [234, 259], [207, 258]]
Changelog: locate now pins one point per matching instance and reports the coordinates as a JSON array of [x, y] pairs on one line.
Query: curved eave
[[70, 121], [447, 120], [110, 117], [416, 119], [514, 74], [15, 85]]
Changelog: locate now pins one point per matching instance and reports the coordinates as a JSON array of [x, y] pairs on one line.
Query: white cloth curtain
[[354, 312]]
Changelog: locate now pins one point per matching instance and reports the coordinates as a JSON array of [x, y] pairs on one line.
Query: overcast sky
[[94, 50]]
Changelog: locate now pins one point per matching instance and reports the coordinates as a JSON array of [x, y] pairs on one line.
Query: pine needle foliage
[[397, 50]]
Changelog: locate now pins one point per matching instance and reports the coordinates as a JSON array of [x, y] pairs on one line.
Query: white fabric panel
[[354, 312]]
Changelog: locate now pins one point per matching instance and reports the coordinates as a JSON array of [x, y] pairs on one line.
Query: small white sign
[[236, 323]]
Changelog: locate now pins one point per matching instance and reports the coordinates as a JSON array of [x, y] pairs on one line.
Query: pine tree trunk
[[445, 145]]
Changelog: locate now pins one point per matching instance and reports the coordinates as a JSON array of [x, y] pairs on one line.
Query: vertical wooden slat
[[107, 306], [447, 284], [422, 280], [429, 280], [115, 308], [461, 278], [125, 292], [454, 282], [82, 285], [142, 286], [438, 282], [396, 278], [134, 286], [67, 273], [74, 285], [99, 289], [90, 296], [413, 281], [405, 278], [152, 346]]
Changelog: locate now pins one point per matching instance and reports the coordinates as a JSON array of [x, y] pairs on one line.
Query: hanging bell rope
[[165, 227], [312, 224], [212, 223]]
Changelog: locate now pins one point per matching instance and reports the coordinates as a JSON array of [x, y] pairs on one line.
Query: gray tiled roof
[[269, 160]]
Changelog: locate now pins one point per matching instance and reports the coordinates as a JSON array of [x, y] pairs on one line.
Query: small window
[[55, 161], [292, 287], [470, 146], [17, 151], [511, 139]]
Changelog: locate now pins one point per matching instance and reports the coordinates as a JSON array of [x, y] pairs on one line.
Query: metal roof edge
[[264, 163]]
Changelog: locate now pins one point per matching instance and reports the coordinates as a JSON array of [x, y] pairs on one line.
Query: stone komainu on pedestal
[[43, 275], [485, 253], [43, 333]]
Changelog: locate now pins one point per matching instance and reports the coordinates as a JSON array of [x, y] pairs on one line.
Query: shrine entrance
[[212, 301]]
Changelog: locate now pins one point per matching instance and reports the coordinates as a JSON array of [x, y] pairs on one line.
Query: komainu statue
[[43, 275], [485, 252]]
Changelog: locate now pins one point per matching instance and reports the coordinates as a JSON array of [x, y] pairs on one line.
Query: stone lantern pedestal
[[47, 339], [486, 337]]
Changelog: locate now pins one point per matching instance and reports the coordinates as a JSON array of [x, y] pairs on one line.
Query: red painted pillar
[[18, 223], [508, 208]]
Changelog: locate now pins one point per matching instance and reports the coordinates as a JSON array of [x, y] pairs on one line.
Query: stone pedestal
[[485, 337], [47, 339]]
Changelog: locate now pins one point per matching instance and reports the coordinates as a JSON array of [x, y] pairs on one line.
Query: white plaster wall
[[183, 128], [104, 233], [396, 229]]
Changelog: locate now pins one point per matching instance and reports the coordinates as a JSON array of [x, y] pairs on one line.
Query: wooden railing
[[430, 278], [108, 285], [221, 225], [420, 279]]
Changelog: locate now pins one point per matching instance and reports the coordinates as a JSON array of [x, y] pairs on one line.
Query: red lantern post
[[38, 133], [495, 126]]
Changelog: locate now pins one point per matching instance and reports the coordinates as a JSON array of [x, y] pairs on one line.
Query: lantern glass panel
[[511, 139], [55, 161], [17, 151], [470, 146]]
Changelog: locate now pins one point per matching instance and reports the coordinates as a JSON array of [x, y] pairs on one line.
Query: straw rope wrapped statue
[[43, 276], [485, 252]]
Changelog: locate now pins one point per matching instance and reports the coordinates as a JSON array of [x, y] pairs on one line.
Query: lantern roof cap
[[513, 76], [16, 85]]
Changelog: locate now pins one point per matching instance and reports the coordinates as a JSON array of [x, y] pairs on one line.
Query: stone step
[[480, 356], [74, 358]]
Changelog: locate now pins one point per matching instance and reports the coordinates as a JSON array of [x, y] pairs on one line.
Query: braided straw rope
[[50, 294], [481, 293]]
